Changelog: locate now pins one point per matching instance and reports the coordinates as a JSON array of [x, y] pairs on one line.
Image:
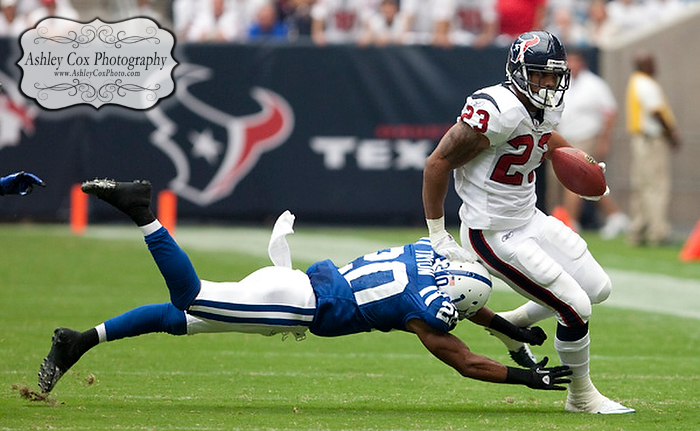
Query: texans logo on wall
[[228, 142], [16, 115], [227, 147]]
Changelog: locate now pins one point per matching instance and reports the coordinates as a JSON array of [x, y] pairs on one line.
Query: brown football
[[578, 171]]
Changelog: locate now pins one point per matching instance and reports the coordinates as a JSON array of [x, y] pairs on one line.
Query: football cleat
[[518, 351], [604, 407], [63, 354], [122, 195], [523, 356], [131, 198]]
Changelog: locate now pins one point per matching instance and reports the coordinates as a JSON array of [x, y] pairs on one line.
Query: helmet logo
[[525, 45]]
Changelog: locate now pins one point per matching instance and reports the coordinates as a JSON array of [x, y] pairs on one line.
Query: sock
[[576, 354], [101, 332], [150, 228], [525, 315], [535, 312], [145, 320], [515, 317], [176, 268]]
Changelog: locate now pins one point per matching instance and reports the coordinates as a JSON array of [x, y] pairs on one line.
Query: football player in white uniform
[[503, 134]]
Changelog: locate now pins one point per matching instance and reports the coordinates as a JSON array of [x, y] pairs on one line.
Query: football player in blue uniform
[[407, 288], [504, 133], [19, 183]]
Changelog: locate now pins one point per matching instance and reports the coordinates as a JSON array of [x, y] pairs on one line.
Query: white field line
[[631, 290]]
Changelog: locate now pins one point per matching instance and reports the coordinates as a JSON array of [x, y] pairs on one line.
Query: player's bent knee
[[574, 305], [173, 320], [583, 307], [603, 292]]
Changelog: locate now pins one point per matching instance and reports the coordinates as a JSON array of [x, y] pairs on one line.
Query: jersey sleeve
[[482, 113], [439, 313]]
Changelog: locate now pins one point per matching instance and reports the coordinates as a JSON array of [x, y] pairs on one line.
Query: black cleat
[[131, 198], [63, 354]]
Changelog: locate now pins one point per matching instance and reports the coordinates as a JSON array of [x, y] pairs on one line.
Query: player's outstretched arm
[[455, 353]]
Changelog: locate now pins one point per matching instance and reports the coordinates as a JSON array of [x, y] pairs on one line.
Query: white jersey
[[497, 187], [343, 20]]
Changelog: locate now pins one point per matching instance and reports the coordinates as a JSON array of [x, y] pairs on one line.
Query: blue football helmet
[[531, 54]]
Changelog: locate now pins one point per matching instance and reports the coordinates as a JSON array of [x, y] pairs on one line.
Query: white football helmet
[[468, 284]]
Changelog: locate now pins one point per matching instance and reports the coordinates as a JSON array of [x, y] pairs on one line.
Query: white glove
[[596, 198], [443, 243]]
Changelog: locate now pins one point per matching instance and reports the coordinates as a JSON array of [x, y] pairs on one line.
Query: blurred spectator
[[472, 22], [599, 30], [578, 10], [652, 127], [213, 21], [184, 12], [564, 25], [55, 8], [221, 20], [340, 21], [587, 123], [663, 10], [47, 8], [519, 16], [12, 23], [626, 15], [267, 24], [125, 9], [426, 22], [298, 18], [385, 26], [26, 7]]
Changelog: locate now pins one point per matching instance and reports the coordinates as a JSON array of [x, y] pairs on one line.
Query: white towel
[[278, 249]]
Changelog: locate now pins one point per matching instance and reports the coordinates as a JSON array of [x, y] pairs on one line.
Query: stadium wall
[[336, 134], [674, 45]]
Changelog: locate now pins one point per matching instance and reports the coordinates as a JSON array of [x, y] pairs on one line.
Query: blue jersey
[[382, 290]]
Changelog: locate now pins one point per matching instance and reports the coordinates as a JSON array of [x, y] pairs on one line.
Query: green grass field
[[648, 360]]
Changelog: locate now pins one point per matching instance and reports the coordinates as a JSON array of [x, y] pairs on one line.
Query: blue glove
[[19, 183]]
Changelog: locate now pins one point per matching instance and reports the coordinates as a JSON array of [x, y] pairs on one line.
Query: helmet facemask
[[527, 80]]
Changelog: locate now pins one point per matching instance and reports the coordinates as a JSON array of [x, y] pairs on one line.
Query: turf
[[370, 381]]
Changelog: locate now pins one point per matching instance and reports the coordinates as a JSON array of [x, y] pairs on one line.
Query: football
[[578, 172]]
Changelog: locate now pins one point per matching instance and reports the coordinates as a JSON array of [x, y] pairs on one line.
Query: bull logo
[[525, 45], [225, 145]]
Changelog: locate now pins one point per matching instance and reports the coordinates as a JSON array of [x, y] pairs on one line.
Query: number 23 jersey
[[497, 187], [382, 290]]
